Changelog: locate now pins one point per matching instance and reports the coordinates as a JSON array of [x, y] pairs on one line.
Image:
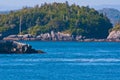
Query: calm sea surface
[[64, 61]]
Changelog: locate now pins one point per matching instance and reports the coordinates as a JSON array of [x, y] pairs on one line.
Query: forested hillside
[[61, 17]]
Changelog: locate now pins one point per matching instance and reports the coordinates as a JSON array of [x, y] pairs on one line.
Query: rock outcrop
[[16, 47], [59, 36], [114, 35], [55, 36], [20, 37]]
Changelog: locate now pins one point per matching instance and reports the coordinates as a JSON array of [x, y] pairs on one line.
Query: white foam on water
[[103, 51], [70, 60], [107, 51], [17, 64], [102, 64], [93, 54]]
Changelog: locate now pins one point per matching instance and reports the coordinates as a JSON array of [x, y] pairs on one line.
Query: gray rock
[[79, 37], [12, 36], [52, 36], [55, 36], [16, 47], [114, 35]]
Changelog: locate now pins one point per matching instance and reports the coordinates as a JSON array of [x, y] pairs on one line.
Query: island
[[9, 47], [57, 22]]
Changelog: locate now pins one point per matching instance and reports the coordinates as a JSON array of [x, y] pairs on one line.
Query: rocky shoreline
[[60, 37], [9, 47]]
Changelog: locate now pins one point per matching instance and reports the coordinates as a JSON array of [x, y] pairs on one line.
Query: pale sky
[[18, 4]]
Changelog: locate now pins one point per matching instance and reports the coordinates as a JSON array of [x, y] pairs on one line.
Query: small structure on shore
[[16, 47]]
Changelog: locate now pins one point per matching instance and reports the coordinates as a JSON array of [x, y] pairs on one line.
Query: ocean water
[[64, 61]]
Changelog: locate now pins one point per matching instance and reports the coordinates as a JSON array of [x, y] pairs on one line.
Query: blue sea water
[[64, 61]]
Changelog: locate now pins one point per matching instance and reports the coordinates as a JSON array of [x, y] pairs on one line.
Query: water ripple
[[69, 60]]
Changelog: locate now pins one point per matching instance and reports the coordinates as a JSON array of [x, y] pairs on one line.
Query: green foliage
[[3, 29], [116, 28], [61, 17]]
